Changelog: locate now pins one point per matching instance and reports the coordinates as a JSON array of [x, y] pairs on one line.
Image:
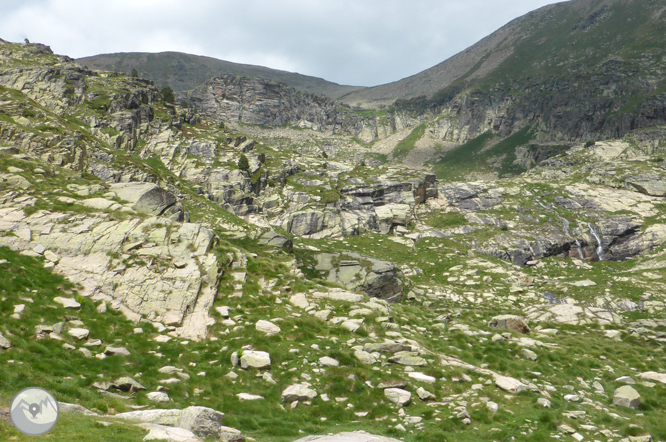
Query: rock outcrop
[[379, 279], [169, 290]]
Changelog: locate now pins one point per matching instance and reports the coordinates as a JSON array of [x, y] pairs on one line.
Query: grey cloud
[[359, 42]]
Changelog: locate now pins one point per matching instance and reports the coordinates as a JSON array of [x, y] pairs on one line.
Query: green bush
[[243, 163], [168, 95]]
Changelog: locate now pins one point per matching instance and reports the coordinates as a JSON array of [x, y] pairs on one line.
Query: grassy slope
[[542, 44], [47, 364], [470, 157]]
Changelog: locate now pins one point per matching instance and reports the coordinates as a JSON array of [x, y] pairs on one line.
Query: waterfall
[[580, 252], [600, 248], [565, 226]]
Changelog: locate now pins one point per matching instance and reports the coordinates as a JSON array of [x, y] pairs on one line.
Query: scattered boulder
[[652, 376], [128, 384], [398, 396], [79, 333], [158, 396], [171, 434], [510, 322], [150, 199], [68, 303], [267, 327], [271, 238], [298, 392], [5, 344], [116, 351], [626, 396], [510, 384], [255, 359], [328, 362], [249, 397], [64, 407], [425, 395], [529, 354], [392, 384], [422, 377], [408, 358], [364, 357], [201, 421]]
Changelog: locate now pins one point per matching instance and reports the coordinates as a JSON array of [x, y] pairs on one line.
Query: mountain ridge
[[187, 71]]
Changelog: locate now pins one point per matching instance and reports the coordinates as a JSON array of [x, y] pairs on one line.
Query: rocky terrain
[[271, 270]]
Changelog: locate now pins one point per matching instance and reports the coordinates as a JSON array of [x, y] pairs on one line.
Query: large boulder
[[627, 396], [376, 278], [201, 421], [126, 383], [150, 199], [510, 384], [255, 359], [271, 238], [298, 392], [267, 327], [398, 396]]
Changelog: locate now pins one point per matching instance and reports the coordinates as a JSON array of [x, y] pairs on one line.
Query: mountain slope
[[184, 71], [544, 43], [143, 266]]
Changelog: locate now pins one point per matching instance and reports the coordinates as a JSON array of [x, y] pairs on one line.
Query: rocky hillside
[[180, 274], [184, 72], [557, 69], [266, 103]]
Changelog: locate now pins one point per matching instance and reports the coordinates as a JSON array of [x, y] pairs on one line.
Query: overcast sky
[[356, 42]]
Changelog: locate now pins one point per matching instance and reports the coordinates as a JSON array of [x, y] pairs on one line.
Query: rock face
[[256, 101], [627, 396], [379, 206], [174, 295]]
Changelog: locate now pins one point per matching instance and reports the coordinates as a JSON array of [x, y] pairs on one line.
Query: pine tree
[[243, 163], [168, 95]]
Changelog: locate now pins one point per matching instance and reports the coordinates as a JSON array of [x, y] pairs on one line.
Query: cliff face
[[607, 102], [261, 102]]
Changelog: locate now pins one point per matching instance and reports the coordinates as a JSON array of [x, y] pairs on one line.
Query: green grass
[[471, 156], [407, 145], [74, 427]]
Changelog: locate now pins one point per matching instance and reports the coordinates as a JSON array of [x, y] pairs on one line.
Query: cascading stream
[[600, 247]]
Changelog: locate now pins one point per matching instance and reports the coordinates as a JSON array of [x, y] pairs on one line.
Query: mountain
[[548, 43], [247, 265], [184, 71]]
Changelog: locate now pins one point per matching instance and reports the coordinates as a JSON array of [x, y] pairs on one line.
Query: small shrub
[[168, 95], [589, 143], [243, 163]]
